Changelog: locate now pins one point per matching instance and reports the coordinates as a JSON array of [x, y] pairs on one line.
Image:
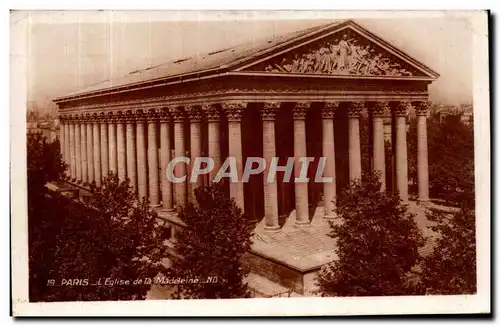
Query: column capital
[[212, 112], [234, 110], [328, 111], [102, 118], [165, 115], [379, 109], [354, 109], [118, 117], [152, 115], [422, 108], [95, 118], [401, 109], [88, 117], [300, 109], [129, 116], [194, 113], [268, 111], [177, 114], [140, 116], [112, 117]]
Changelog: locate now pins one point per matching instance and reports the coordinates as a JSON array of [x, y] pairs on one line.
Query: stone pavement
[[309, 247], [303, 248]]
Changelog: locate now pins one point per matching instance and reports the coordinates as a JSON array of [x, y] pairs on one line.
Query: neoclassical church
[[301, 94]]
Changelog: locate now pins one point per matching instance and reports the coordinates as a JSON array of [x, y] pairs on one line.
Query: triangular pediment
[[348, 51]]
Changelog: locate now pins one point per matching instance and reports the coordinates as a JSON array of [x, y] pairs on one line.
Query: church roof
[[230, 59]]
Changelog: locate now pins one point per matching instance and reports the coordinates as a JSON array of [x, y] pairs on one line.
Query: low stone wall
[[275, 272]]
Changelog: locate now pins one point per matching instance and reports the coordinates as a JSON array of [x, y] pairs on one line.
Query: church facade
[[302, 94]]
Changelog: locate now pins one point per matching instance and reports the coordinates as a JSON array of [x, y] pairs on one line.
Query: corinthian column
[[213, 117], [97, 151], [378, 112], [165, 147], [131, 151], [180, 150], [154, 182], [234, 111], [329, 188], [62, 138], [400, 111], [72, 148], [78, 146], [353, 113], [195, 117], [90, 150], [121, 151], [67, 154], [422, 157], [103, 129], [83, 148], [142, 158], [268, 113], [112, 143], [300, 150]]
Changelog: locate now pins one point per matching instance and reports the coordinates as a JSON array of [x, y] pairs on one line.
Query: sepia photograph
[[284, 158]]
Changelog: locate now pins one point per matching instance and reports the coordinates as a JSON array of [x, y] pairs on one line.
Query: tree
[[451, 267], [377, 244], [44, 162], [216, 237], [111, 235], [133, 243]]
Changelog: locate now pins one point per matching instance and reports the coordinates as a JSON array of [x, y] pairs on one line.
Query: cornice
[[285, 94]]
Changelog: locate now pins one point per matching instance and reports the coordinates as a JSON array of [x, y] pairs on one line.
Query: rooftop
[[231, 58], [197, 63]]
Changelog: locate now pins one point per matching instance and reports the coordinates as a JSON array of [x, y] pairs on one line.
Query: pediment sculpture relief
[[345, 55]]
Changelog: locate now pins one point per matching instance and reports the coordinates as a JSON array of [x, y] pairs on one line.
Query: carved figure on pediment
[[362, 63], [288, 66], [343, 52], [325, 60], [342, 56], [373, 65], [333, 57], [307, 63]]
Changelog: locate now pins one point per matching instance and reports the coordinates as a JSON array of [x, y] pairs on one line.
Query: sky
[[68, 51]]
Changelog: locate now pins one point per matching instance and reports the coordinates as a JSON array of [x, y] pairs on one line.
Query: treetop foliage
[[216, 237], [377, 243]]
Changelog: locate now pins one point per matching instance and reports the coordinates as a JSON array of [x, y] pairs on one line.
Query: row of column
[[94, 144]]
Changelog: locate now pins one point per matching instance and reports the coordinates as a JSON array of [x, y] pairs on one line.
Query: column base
[[271, 228], [302, 223], [154, 205], [330, 217], [168, 209]]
